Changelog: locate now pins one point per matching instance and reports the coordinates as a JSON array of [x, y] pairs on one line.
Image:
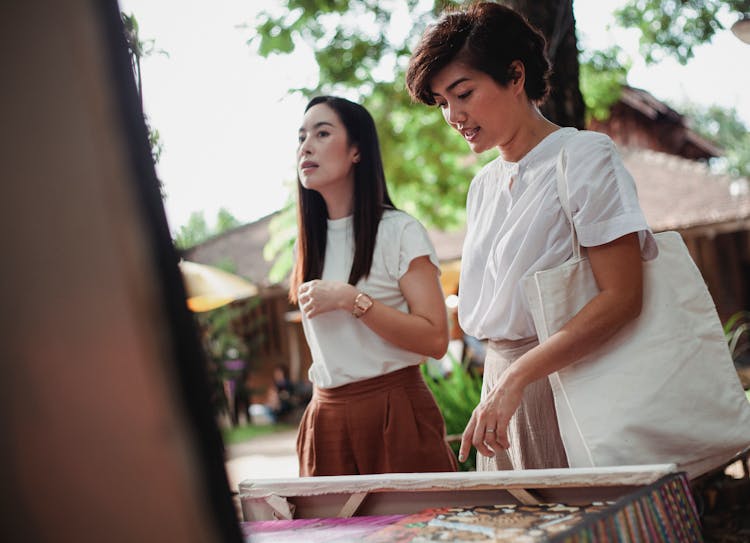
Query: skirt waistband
[[502, 346], [408, 376]]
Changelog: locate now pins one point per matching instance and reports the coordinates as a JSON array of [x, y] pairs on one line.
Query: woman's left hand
[[319, 296], [487, 429]]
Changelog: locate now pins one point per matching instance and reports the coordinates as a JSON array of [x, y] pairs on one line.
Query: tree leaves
[[603, 73], [676, 27], [723, 126], [428, 168], [197, 229]]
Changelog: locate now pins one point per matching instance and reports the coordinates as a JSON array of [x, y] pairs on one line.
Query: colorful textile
[[500, 523], [662, 512]]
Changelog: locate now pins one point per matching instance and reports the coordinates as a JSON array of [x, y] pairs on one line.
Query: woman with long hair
[[366, 279]]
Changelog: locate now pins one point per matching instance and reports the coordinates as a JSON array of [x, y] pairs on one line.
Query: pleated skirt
[[534, 436]]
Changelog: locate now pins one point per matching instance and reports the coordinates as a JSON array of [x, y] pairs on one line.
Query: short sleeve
[[603, 196], [415, 242]]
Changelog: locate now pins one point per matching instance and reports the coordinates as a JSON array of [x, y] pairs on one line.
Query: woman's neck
[[533, 129], [339, 204]]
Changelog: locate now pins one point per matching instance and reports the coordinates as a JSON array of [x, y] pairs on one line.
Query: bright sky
[[229, 125]]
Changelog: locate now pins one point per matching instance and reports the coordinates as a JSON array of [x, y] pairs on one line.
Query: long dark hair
[[370, 199]]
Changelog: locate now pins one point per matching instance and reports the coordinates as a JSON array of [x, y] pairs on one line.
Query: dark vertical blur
[[107, 431]]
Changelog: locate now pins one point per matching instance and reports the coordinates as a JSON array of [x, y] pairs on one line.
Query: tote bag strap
[[564, 197]]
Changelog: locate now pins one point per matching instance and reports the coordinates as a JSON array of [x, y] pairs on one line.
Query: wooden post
[[294, 324]]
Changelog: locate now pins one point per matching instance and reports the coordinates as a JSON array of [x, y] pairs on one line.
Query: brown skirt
[[533, 433], [387, 424]]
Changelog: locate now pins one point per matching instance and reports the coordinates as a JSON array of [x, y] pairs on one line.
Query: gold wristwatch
[[362, 304]]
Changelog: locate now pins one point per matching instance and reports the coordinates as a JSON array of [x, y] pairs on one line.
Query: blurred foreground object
[[108, 430]]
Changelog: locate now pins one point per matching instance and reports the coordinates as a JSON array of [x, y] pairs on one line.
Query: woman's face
[[484, 112], [325, 159]]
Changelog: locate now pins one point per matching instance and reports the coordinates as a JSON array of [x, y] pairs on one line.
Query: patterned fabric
[[663, 512], [497, 523]]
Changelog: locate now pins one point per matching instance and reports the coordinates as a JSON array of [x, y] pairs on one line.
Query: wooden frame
[[406, 493]]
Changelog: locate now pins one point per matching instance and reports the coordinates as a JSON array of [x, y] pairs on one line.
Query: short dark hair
[[487, 36], [370, 199]]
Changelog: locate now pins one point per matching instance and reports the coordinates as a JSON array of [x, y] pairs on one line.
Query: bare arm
[[618, 271], [423, 330]]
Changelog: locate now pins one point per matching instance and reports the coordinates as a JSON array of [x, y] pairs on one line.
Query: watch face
[[361, 304]]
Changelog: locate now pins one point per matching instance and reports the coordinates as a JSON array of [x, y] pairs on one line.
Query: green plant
[[228, 334], [457, 394], [737, 332], [247, 432]]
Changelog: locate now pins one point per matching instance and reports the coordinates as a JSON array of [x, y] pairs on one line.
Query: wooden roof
[[681, 194], [639, 119]]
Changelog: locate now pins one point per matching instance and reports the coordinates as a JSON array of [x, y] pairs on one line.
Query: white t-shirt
[[344, 349], [516, 230]]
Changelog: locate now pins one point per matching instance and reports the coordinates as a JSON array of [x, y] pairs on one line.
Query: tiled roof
[[680, 194]]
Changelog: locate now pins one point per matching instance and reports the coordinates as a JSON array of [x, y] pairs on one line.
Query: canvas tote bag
[[664, 389]]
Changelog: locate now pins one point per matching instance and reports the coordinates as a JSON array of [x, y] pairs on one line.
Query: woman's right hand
[[319, 296], [487, 429]]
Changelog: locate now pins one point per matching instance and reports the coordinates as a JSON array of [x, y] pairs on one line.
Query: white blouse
[[344, 349], [515, 225]]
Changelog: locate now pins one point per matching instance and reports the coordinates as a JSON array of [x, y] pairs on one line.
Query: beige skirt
[[533, 433]]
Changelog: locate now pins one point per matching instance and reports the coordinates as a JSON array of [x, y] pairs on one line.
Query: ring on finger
[[489, 430]]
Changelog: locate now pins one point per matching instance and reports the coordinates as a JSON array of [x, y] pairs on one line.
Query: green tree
[[225, 221], [675, 28], [197, 230], [723, 126], [603, 74], [363, 56], [428, 167], [193, 232]]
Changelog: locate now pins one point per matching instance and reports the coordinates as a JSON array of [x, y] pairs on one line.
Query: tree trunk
[[556, 21]]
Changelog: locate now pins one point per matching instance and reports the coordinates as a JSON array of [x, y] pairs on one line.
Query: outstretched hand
[[319, 296], [487, 429]]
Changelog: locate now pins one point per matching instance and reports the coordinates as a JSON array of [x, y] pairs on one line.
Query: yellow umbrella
[[450, 272], [209, 287]]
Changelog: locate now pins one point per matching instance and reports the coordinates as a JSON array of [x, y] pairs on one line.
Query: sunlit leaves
[[197, 229], [676, 27], [724, 126], [602, 75], [428, 168], [274, 38]]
